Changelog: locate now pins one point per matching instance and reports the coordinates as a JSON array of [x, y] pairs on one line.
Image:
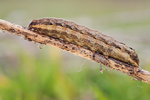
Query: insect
[[82, 36]]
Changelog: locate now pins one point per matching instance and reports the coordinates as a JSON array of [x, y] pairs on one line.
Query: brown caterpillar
[[84, 37]]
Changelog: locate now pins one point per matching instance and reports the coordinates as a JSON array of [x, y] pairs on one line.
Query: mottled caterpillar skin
[[84, 37]]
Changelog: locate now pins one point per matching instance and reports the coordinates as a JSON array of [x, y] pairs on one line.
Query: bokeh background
[[30, 71]]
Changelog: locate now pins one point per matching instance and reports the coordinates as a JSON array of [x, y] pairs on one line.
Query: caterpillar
[[87, 38]]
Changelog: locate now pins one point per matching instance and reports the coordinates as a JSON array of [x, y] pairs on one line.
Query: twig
[[136, 72]]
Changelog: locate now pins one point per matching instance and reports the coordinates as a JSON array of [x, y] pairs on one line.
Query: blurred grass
[[28, 73]]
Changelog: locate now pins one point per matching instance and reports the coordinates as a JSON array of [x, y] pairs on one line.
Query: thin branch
[[136, 72]]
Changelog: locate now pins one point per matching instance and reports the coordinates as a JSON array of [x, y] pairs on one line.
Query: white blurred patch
[[81, 66]]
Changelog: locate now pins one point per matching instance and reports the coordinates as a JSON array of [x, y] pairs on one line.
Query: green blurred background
[[30, 73]]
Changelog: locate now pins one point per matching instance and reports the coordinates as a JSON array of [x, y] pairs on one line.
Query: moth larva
[[84, 37]]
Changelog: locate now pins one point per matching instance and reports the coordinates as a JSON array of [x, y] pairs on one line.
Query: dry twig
[[136, 72]]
